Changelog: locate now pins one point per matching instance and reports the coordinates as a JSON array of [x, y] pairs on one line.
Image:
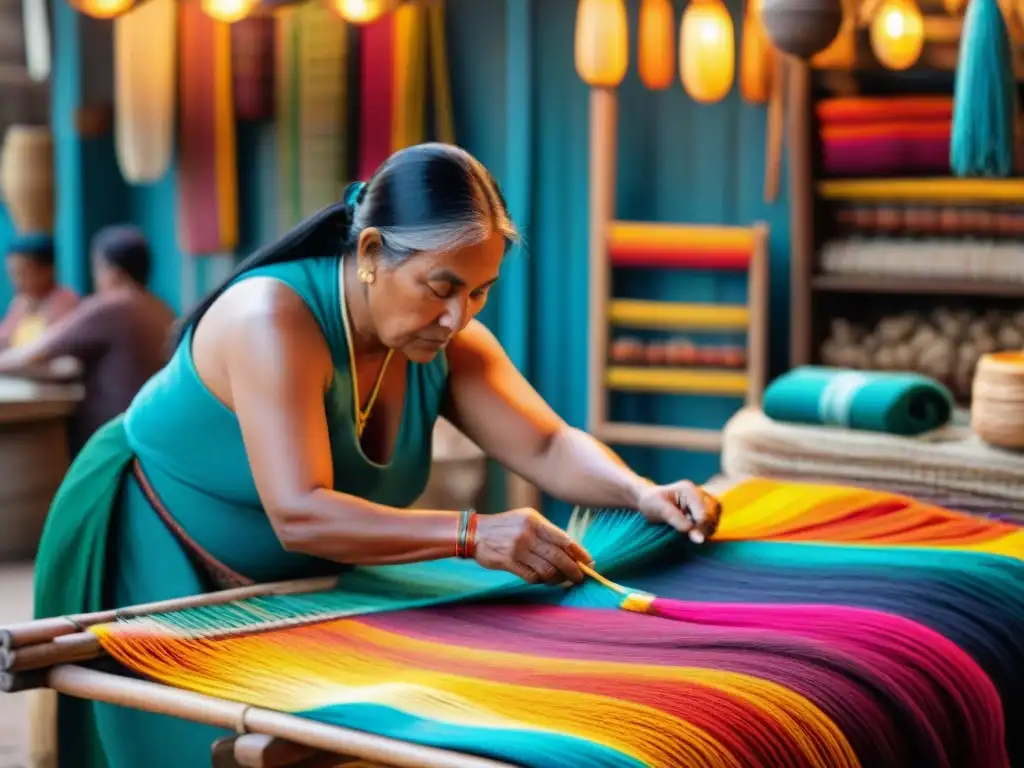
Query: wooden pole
[[81, 646], [45, 630], [603, 155], [774, 133], [801, 206], [151, 697], [758, 293]]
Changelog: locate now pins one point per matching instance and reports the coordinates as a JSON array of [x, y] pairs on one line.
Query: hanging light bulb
[[363, 11], [102, 9], [602, 42], [656, 45], [897, 34], [707, 51], [228, 11]]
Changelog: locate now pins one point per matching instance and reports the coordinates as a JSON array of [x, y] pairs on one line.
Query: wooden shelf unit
[[642, 245], [810, 288], [823, 208], [921, 286], [924, 190]]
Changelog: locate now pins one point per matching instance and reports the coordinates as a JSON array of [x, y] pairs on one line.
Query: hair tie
[[354, 193]]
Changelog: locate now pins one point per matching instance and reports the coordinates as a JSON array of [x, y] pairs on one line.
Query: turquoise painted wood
[[6, 235]]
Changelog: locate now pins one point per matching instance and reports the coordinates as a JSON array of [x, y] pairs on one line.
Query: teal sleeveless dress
[[105, 545]]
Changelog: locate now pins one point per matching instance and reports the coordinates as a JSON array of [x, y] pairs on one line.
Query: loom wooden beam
[[93, 685], [257, 750], [46, 630]]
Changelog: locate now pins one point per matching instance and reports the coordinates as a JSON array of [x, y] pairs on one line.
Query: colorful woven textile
[[885, 136], [824, 626]]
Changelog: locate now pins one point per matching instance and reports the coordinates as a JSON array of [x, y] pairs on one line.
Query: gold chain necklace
[[362, 414]]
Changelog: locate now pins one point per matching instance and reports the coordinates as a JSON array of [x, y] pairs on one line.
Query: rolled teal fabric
[[897, 403]]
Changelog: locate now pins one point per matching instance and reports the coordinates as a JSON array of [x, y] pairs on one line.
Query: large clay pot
[[26, 177]]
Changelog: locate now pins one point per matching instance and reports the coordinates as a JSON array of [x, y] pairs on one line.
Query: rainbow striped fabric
[[823, 627]]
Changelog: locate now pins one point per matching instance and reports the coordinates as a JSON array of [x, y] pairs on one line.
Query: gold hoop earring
[[366, 275]]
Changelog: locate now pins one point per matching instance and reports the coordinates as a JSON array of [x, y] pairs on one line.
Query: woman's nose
[[455, 313]]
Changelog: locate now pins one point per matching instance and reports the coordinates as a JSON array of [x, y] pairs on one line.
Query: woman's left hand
[[684, 506]]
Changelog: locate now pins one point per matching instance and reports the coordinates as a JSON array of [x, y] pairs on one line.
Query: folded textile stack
[[952, 461], [885, 136], [877, 401]]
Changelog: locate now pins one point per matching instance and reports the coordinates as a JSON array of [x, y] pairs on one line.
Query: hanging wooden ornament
[[802, 28]]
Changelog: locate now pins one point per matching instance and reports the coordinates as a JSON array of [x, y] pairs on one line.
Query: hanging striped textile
[[397, 54], [312, 109], [207, 163], [145, 83], [410, 73], [824, 626], [252, 67], [443, 110], [377, 81]]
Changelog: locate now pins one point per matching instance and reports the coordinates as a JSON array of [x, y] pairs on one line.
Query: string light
[[897, 34]]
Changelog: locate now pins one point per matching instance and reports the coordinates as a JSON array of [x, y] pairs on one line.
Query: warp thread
[[824, 626]]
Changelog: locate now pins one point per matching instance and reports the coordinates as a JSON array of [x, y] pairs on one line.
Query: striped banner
[[312, 109], [207, 163], [396, 55], [252, 67]]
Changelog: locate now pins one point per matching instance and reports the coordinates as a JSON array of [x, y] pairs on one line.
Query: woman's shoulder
[[310, 271]]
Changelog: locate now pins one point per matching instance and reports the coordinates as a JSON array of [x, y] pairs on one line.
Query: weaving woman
[[291, 430]]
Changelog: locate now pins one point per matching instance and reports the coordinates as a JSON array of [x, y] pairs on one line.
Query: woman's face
[[418, 305], [28, 276]]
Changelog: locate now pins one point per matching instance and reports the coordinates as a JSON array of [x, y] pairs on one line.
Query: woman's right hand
[[525, 543]]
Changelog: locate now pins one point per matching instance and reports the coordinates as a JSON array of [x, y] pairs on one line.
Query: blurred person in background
[[39, 301], [117, 336]]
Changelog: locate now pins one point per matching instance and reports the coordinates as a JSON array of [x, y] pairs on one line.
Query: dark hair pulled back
[[427, 197]]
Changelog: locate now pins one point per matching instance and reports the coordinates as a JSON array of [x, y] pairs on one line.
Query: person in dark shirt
[[118, 335]]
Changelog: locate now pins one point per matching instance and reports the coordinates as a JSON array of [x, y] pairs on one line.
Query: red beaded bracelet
[[465, 541]]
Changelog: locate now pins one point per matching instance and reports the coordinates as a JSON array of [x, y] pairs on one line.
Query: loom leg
[[222, 753], [255, 750]]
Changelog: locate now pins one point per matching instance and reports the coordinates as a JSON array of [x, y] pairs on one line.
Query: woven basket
[[997, 400]]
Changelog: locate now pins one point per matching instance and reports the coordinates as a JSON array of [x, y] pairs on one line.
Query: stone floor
[[15, 605]]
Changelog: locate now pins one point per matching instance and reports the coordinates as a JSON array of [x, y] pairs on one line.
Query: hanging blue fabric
[[985, 96]]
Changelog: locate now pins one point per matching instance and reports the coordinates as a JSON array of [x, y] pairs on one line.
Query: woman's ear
[[368, 249]]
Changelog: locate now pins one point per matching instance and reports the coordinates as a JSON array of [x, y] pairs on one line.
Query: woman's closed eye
[[441, 290]]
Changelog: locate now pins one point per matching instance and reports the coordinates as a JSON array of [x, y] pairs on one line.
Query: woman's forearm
[[350, 530], [581, 470]]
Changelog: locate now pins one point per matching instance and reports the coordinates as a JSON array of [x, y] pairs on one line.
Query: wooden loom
[[682, 246], [54, 654]]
